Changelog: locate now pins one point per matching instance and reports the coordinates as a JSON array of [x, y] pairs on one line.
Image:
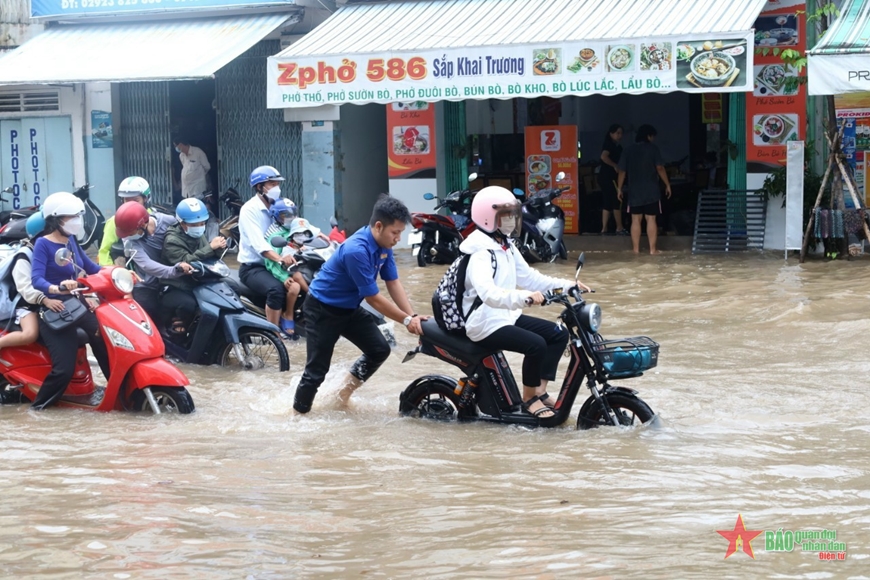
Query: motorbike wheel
[[629, 410], [431, 400], [563, 251], [421, 255], [263, 349], [169, 400]]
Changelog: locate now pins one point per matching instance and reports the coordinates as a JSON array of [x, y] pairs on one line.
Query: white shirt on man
[[254, 220], [194, 167]]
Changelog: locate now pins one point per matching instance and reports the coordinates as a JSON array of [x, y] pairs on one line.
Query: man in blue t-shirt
[[332, 308]]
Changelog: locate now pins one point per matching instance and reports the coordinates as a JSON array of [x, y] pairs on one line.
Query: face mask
[[300, 239], [177, 150], [196, 232], [134, 237], [74, 227], [288, 222], [274, 193], [507, 224]]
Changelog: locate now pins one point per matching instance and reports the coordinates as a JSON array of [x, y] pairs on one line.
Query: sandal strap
[[533, 400]]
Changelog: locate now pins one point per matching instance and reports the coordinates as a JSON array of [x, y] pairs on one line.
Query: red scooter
[[141, 379], [436, 238]]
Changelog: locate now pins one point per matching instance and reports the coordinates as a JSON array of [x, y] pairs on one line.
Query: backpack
[[447, 299], [9, 296]]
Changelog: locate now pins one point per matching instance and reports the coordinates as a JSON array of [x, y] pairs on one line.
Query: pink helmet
[[490, 204]]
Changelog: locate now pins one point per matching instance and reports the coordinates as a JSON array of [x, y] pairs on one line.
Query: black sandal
[[537, 414], [177, 327], [546, 397]]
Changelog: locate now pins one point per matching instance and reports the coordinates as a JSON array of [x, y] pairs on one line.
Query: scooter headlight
[[220, 269], [123, 280], [118, 339], [590, 317]]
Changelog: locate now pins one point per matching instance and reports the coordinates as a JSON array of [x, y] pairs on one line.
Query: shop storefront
[[465, 100], [131, 76]]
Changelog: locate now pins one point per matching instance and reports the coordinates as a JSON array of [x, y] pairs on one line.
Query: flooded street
[[762, 390]]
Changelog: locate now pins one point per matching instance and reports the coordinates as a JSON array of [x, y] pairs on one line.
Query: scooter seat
[[434, 334], [82, 337]]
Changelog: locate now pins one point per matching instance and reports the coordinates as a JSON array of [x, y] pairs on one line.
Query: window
[[26, 102]]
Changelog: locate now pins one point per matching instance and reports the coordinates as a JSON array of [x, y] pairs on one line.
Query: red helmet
[[129, 218]]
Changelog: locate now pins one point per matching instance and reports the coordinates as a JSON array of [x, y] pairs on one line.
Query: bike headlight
[[123, 280], [590, 317], [118, 339], [220, 269]]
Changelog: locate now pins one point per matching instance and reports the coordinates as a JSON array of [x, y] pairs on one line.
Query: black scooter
[[15, 229], [488, 391], [541, 239]]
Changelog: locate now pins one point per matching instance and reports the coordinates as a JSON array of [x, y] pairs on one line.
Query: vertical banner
[[411, 139], [549, 150], [776, 110], [101, 129], [794, 195]]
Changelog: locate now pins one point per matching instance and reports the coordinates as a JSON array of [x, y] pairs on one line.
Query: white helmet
[[300, 225], [134, 187], [62, 203]]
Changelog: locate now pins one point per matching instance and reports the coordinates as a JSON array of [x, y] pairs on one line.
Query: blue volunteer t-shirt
[[351, 274]]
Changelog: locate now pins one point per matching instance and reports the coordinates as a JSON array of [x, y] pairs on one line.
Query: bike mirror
[[580, 261], [560, 176], [333, 222], [519, 192], [128, 248], [278, 242], [428, 196], [472, 177], [63, 257]]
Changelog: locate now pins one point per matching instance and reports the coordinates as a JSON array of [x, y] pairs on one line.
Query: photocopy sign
[[638, 65], [54, 8]]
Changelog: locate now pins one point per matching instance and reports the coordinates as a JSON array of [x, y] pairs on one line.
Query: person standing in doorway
[[643, 164], [611, 151], [332, 308], [194, 169]]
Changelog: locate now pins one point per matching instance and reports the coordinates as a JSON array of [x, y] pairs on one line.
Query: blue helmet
[[35, 224], [263, 174], [283, 205], [191, 211]]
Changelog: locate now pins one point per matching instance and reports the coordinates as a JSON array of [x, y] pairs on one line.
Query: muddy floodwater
[[762, 389]]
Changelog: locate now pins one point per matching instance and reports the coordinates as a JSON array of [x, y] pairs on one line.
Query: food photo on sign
[[776, 31], [774, 129], [620, 57], [773, 80], [587, 61], [546, 61], [705, 64]]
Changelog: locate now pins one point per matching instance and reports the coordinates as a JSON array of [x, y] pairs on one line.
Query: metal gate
[[249, 134], [145, 136]]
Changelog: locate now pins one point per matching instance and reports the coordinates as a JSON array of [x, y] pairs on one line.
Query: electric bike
[[488, 390]]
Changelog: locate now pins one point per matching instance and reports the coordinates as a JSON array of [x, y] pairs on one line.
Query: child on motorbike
[[185, 242], [283, 213], [31, 298], [494, 304], [63, 223]]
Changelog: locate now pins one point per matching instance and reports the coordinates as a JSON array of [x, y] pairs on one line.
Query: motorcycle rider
[[131, 189], [31, 298], [494, 304], [254, 250], [146, 234], [283, 211], [63, 223], [332, 308], [186, 242]]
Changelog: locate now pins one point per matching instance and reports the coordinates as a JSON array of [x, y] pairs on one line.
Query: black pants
[[174, 303], [62, 346], [324, 324], [260, 280], [540, 340]]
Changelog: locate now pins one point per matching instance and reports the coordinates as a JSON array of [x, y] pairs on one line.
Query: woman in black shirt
[[610, 153]]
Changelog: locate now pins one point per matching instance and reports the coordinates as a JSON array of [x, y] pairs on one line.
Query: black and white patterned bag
[[447, 299]]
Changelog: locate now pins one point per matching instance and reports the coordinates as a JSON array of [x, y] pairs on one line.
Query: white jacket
[[502, 302]]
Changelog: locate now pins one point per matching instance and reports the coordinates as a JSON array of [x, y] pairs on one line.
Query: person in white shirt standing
[[194, 169], [254, 249]]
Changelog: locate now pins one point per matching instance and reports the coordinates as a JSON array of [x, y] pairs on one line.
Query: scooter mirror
[[428, 196], [278, 242], [580, 261], [128, 248], [519, 193], [333, 222], [472, 177], [63, 257], [560, 176]]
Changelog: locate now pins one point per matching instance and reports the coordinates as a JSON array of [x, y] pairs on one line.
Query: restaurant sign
[[61, 8], [666, 64]]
